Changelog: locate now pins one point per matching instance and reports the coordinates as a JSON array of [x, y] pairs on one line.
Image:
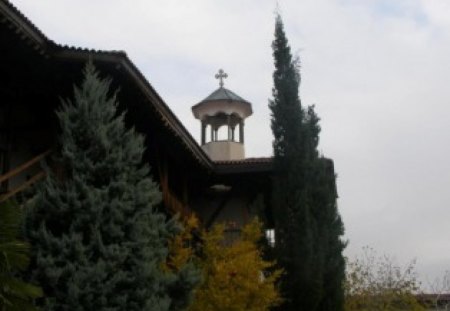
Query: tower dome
[[223, 108]]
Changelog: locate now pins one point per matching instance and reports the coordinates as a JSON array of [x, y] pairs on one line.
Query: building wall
[[224, 150], [233, 206]]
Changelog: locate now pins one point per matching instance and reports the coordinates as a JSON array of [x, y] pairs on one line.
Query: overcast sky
[[377, 71]]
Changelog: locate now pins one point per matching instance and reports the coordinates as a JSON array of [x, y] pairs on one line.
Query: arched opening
[[222, 133], [222, 127]]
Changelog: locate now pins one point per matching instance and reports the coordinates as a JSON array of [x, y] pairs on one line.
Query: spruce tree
[[304, 203], [98, 239]]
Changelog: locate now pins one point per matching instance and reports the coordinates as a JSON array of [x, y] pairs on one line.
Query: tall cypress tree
[[295, 228], [329, 244], [98, 239], [304, 197]]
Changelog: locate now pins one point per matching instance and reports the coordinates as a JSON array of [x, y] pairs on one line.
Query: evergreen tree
[[295, 228], [99, 242], [329, 245], [304, 198]]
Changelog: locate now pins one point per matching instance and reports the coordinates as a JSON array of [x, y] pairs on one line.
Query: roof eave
[[25, 27], [262, 165], [168, 118]]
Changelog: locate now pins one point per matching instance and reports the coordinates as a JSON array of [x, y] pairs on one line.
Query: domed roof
[[224, 94], [225, 101], [222, 101]]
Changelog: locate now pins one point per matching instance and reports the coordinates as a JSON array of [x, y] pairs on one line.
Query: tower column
[[212, 133], [241, 131], [228, 127], [203, 140]]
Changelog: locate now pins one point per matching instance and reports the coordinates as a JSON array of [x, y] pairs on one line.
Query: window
[[270, 236]]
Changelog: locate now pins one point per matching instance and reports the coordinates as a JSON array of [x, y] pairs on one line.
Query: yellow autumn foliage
[[377, 283], [180, 247], [235, 276]]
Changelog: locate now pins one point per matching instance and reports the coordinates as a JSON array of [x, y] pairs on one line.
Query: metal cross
[[221, 75]]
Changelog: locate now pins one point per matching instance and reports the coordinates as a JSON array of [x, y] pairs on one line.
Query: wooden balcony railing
[[21, 170]]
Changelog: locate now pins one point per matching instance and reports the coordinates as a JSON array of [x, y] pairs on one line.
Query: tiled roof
[[248, 165], [21, 17], [224, 94], [245, 161]]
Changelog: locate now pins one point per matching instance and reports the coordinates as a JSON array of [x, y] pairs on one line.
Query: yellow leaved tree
[[235, 276], [377, 283], [181, 247]]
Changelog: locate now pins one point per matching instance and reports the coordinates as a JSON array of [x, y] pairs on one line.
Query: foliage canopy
[[235, 276], [15, 294], [377, 283]]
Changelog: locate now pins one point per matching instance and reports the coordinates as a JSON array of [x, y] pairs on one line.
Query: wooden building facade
[[38, 72]]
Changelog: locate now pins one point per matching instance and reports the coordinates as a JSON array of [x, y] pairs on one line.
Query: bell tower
[[223, 109]]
